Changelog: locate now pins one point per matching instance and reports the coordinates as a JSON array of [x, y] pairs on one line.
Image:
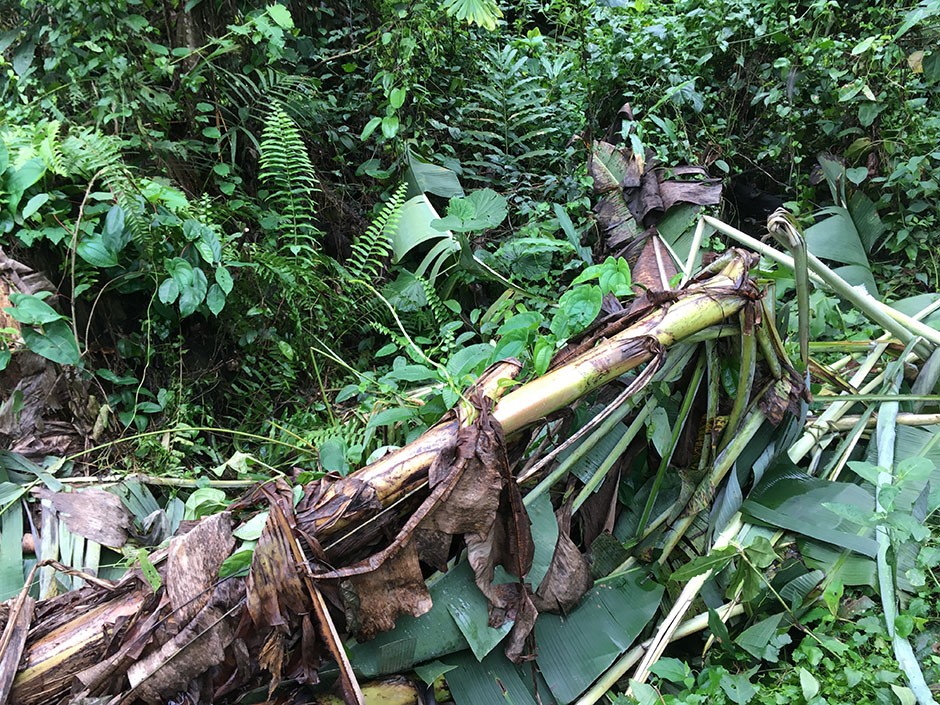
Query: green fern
[[290, 182], [442, 317], [89, 153], [515, 122], [372, 247]]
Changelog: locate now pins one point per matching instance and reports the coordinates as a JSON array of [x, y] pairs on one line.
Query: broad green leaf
[[836, 238], [866, 471], [34, 204], [390, 125], [858, 275], [677, 227], [832, 595], [32, 310], [671, 669], [237, 564], [169, 291], [387, 417], [396, 97], [281, 16], [424, 177], [863, 45], [758, 639], [857, 175], [809, 684], [370, 128], [224, 279], [795, 591], [914, 304], [418, 639], [738, 687], [205, 501], [12, 574], [788, 498], [56, 342], [251, 529], [913, 444], [577, 309], [414, 227], [591, 460], [431, 671], [21, 179], [94, 251], [469, 359], [850, 568], [644, 693], [470, 612], [921, 12], [480, 210], [544, 528], [481, 12], [194, 291], [10, 492], [215, 299], [493, 680], [761, 552], [576, 648], [149, 570], [114, 235], [564, 220], [332, 454]]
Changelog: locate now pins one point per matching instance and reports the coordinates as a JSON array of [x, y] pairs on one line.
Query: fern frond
[[87, 152], [400, 340], [375, 244], [288, 175]]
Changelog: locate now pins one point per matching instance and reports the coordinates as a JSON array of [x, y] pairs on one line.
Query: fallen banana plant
[[149, 637]]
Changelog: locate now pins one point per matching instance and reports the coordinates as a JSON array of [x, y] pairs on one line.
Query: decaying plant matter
[[357, 543]]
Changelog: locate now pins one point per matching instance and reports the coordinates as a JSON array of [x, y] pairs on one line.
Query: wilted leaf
[[275, 592], [374, 600], [193, 562], [568, 576], [94, 514]]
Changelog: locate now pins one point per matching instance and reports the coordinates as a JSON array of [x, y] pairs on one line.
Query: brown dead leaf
[[276, 593], [373, 601], [177, 653], [688, 184], [95, 514], [198, 647], [433, 547], [272, 658], [193, 562], [568, 576], [653, 271]]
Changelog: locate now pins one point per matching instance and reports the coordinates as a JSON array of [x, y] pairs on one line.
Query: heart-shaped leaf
[[857, 175]]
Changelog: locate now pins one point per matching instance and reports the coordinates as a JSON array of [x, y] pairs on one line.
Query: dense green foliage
[[226, 192]]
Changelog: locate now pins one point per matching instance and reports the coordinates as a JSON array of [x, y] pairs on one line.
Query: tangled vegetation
[[243, 241]]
